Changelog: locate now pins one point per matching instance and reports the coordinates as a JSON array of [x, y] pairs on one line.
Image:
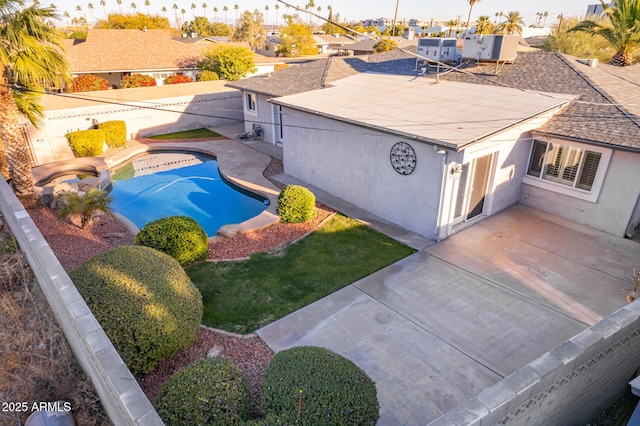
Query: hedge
[[88, 83], [207, 75], [177, 79], [212, 391], [324, 387], [180, 237], [115, 132], [137, 80], [296, 204], [144, 301], [86, 143]]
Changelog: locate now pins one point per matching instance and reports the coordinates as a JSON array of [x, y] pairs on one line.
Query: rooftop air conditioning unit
[[438, 49], [490, 47]]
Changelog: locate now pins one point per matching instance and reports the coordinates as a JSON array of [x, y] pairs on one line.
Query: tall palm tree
[[103, 3], [276, 7], [147, 3], [215, 14], [236, 8], [67, 16], [624, 32], [225, 9], [193, 10], [119, 2], [512, 25], [544, 18], [471, 4], [266, 14], [133, 7], [31, 60], [164, 12], [319, 9], [395, 16], [79, 9], [90, 7], [204, 9], [175, 10]]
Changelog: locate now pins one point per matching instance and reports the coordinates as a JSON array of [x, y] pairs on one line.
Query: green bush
[[333, 389], [296, 204], [207, 75], [210, 391], [115, 132], [144, 301], [86, 143], [180, 237]]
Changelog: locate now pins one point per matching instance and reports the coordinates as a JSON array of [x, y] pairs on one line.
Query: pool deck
[[238, 162]]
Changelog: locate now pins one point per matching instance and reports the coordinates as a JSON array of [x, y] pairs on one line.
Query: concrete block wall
[[570, 384], [118, 390]]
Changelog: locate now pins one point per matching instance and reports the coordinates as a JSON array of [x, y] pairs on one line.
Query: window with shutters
[[575, 166]]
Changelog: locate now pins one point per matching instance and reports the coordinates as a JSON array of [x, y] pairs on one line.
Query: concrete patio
[[440, 326]]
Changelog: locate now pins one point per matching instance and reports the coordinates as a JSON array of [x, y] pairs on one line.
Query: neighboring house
[[547, 131], [334, 44], [271, 46], [113, 54], [365, 47]]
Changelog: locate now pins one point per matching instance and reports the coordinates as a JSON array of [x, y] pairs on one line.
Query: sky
[[351, 10]]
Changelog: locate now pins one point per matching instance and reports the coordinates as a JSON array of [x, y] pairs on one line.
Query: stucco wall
[[568, 385], [143, 117], [614, 207], [264, 117], [353, 163]]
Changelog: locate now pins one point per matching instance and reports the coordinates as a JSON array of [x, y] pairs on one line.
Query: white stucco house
[[433, 157]]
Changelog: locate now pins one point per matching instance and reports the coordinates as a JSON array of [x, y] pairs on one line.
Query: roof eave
[[585, 141]]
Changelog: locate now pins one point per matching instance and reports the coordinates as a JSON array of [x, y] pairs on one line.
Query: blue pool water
[[197, 191]]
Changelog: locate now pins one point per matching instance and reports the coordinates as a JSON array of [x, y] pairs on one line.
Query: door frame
[[463, 219]]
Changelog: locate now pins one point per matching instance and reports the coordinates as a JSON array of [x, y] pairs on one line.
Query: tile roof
[[302, 78], [134, 50], [606, 110]]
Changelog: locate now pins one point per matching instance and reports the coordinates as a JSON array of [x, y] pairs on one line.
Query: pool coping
[[241, 165]]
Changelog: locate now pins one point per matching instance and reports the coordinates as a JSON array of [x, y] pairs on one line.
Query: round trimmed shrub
[[177, 79], [88, 83], [333, 389], [86, 143], [137, 80], [210, 391], [144, 301], [180, 237], [207, 75], [296, 204]]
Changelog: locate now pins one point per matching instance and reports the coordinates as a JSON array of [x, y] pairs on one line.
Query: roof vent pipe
[[591, 62]]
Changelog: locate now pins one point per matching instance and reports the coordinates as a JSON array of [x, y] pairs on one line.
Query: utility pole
[[395, 16]]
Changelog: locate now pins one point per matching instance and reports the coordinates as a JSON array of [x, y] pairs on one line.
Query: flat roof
[[447, 113]]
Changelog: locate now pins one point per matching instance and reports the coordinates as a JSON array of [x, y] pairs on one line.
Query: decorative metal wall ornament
[[403, 158]]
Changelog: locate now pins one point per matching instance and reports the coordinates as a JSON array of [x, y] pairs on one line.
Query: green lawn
[[244, 296], [187, 134]]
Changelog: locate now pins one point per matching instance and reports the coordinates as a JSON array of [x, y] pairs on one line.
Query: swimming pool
[[171, 184]]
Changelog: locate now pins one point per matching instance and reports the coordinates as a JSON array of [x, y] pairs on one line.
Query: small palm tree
[[484, 25], [86, 205], [624, 32], [512, 25]]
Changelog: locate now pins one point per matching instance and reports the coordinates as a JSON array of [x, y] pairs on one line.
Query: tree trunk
[[621, 60], [16, 150]]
